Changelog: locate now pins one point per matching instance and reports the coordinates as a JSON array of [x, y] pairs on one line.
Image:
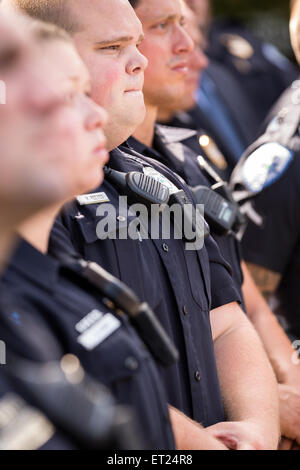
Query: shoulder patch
[[265, 166]]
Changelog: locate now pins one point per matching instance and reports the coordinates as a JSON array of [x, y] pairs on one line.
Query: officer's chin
[[137, 115], [91, 183], [136, 97]]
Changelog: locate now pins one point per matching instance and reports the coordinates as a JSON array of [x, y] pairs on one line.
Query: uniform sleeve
[[273, 244], [223, 288]]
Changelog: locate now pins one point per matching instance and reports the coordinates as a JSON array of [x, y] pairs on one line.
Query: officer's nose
[[183, 43], [137, 63]]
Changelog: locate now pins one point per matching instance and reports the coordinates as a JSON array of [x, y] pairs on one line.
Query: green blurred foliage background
[[267, 18]]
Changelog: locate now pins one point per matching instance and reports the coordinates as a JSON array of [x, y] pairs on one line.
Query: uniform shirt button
[[184, 309], [165, 247], [131, 363], [121, 218], [197, 376]]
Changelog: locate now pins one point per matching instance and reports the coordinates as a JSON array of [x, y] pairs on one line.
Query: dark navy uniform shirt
[[175, 282], [259, 69], [196, 120], [171, 147], [107, 346], [23, 426], [269, 178]]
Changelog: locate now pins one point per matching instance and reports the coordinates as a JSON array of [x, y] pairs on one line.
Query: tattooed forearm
[[267, 281]]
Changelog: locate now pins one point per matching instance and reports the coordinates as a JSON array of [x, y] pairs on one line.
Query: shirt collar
[[34, 265], [167, 134], [171, 135], [136, 144], [161, 152]]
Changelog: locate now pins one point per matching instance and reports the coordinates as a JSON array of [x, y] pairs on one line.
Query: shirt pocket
[[105, 222], [116, 358], [121, 255]]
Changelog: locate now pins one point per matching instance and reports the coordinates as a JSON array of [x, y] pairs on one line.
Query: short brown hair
[[51, 11]]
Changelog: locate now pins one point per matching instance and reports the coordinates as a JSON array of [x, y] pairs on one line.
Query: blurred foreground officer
[[21, 196], [180, 143], [270, 172], [29, 407], [41, 387], [58, 294], [27, 185], [181, 298]]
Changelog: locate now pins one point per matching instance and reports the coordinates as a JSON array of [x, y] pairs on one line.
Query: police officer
[[219, 135], [269, 172], [18, 200], [276, 342], [243, 73], [178, 148], [107, 345], [54, 292], [194, 377], [28, 413], [26, 185], [259, 68]]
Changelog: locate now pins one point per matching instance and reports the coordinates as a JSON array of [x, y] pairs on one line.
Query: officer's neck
[[145, 132], [36, 230], [164, 115]]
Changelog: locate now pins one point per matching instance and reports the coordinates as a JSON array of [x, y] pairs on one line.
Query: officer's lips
[[133, 90], [180, 67]]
